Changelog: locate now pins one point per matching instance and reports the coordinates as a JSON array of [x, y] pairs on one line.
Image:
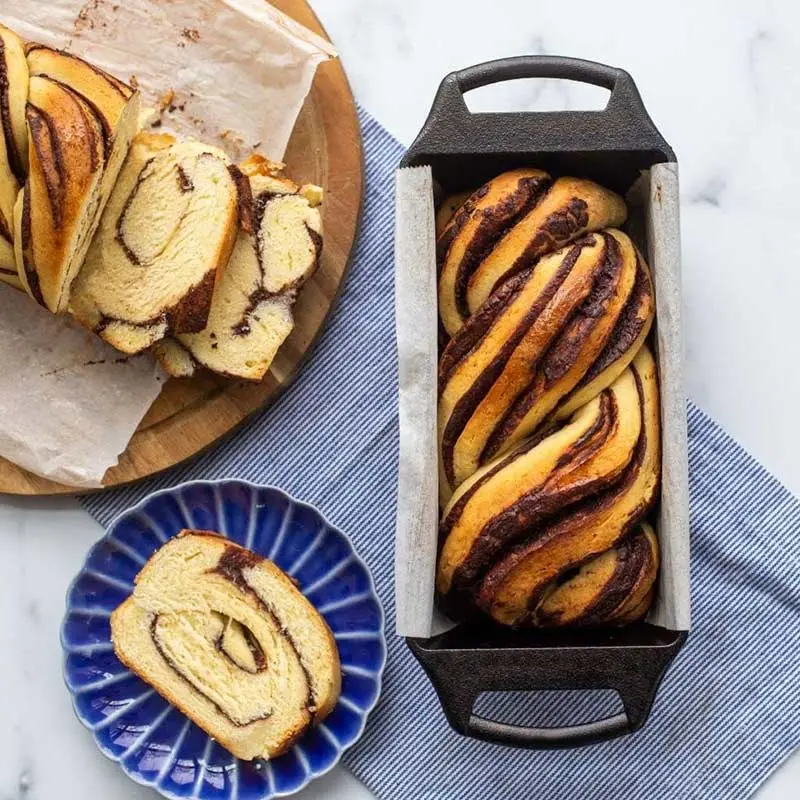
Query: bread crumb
[[165, 101], [312, 193]]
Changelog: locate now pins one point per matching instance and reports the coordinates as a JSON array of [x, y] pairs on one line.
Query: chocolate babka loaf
[[522, 525], [546, 341], [226, 637], [549, 442], [13, 144], [277, 250], [506, 226], [167, 232], [80, 121]]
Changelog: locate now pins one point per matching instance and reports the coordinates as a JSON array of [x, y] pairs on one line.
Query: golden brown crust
[[518, 493], [629, 334], [66, 159], [604, 589], [475, 229], [515, 585], [104, 94], [447, 210], [529, 347], [14, 79], [571, 208]]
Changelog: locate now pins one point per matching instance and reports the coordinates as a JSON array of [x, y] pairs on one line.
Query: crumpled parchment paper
[[70, 402], [234, 73]]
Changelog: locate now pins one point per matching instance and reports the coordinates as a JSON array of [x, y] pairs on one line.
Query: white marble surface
[[720, 79]]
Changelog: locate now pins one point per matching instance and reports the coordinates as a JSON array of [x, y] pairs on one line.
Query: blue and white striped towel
[[729, 709]]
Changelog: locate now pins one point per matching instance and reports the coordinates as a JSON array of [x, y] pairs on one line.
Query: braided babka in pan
[[549, 435]]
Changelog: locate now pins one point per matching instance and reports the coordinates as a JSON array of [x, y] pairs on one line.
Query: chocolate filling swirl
[[14, 156], [243, 650]]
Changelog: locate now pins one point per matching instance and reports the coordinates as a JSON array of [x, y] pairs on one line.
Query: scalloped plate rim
[[168, 490]]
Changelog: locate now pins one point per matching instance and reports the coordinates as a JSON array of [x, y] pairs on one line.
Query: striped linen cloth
[[729, 709]]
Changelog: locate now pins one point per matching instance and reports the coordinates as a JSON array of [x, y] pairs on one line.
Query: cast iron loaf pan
[[464, 150]]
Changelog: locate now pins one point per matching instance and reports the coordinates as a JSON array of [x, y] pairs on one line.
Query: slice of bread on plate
[[13, 144], [225, 636], [167, 231], [277, 250], [80, 121]]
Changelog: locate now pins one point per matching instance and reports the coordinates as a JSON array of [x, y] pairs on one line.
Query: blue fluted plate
[[152, 741]]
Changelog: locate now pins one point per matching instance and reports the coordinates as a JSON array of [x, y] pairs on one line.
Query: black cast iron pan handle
[[509, 69], [632, 663], [623, 124]]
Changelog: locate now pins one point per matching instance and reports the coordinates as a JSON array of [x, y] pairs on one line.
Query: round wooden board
[[189, 415]]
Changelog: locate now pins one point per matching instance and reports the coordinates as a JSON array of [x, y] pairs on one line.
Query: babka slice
[[166, 233], [277, 250], [225, 636], [13, 144], [81, 121]]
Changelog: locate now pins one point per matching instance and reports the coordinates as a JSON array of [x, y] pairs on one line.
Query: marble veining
[[721, 80]]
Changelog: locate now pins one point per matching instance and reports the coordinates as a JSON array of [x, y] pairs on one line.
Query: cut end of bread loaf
[[225, 636], [80, 125], [168, 230]]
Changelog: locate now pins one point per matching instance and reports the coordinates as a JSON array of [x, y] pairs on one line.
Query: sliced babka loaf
[[166, 234], [277, 250], [81, 121], [226, 636], [13, 144]]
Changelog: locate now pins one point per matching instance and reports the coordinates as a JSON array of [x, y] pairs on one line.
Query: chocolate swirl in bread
[[167, 232], [570, 325], [514, 586], [502, 502], [226, 637], [506, 226], [13, 144], [66, 156], [614, 587], [474, 230], [277, 250], [81, 121]]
